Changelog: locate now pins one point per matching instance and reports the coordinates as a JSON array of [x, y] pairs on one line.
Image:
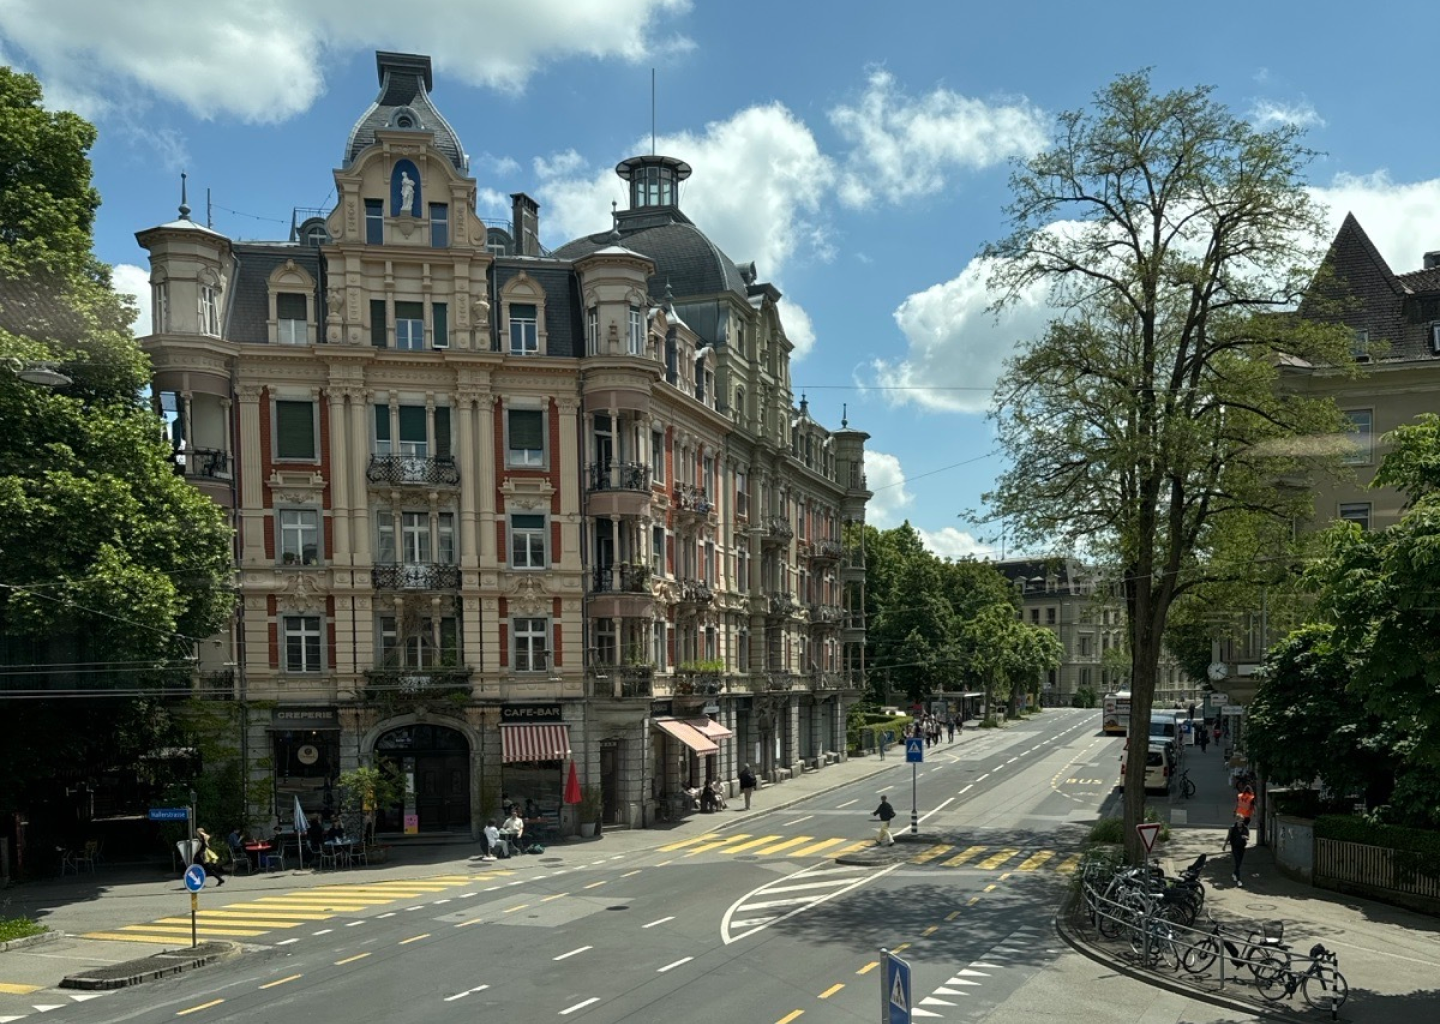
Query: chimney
[[1432, 259], [526, 222]]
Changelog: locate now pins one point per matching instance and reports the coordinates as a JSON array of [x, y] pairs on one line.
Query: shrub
[[1351, 828], [19, 928], [1107, 830]]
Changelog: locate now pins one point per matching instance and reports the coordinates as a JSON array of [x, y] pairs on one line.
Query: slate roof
[[248, 312], [564, 328], [686, 259], [405, 82]]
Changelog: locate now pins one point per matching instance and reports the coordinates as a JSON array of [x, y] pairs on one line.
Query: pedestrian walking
[[1203, 735], [207, 858], [950, 729], [1245, 804], [1238, 838], [885, 812], [747, 784]]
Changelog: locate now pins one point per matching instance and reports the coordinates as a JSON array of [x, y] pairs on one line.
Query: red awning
[[534, 742], [687, 734], [710, 729]]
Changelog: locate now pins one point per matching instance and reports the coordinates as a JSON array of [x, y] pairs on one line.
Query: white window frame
[[160, 306], [1353, 507], [528, 544], [1363, 440], [636, 335], [292, 527], [657, 550], [660, 646], [525, 330], [592, 331], [530, 646], [531, 458], [209, 310], [657, 456], [409, 332], [301, 629]]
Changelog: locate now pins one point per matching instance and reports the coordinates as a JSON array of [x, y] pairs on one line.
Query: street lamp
[[43, 374]]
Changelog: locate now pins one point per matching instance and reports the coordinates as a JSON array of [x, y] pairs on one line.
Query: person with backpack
[[886, 813], [207, 858], [747, 784], [1237, 839]]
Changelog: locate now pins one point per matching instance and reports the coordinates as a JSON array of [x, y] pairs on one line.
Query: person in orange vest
[[1245, 804]]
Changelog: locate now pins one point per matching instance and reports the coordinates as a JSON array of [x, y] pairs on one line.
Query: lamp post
[[42, 374]]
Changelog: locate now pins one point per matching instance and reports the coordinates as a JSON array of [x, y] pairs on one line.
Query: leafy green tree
[[111, 566], [1170, 235]]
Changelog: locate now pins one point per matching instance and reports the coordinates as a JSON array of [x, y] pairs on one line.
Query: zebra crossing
[[259, 915], [1022, 946], [787, 896], [941, 855]]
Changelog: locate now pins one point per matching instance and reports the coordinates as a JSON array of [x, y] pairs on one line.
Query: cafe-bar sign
[[515, 714]]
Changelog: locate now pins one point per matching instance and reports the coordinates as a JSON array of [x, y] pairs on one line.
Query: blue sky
[[858, 153]]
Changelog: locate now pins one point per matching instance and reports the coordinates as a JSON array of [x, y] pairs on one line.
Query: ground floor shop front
[[461, 764]]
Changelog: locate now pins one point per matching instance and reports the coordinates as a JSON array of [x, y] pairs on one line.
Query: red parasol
[[572, 786]]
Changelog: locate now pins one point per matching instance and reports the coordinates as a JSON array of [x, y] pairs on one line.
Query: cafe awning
[[710, 729], [687, 734], [534, 742]]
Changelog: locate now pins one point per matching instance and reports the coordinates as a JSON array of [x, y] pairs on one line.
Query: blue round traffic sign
[[194, 878]]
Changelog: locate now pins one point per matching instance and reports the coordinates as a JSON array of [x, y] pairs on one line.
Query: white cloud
[[1401, 218], [263, 60], [902, 146], [949, 542], [886, 481], [133, 280], [757, 189], [1266, 113], [955, 343], [560, 165]]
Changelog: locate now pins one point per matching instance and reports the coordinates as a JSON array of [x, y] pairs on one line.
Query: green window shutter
[[290, 306], [522, 312], [442, 431], [382, 423], [377, 322], [295, 430], [519, 522], [527, 430], [409, 311], [440, 317], [412, 423]]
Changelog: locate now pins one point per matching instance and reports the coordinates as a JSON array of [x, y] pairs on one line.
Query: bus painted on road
[[1115, 713]]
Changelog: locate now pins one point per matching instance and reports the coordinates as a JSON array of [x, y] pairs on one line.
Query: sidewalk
[[1389, 956]]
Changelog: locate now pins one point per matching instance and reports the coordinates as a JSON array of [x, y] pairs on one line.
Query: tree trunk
[[1145, 658]]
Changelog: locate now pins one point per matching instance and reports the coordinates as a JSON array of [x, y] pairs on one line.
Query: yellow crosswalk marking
[[1000, 857], [853, 848], [1069, 864], [751, 844], [938, 850], [182, 931], [797, 841], [704, 847], [162, 940], [1035, 860], [813, 848], [338, 897], [16, 989], [242, 910], [205, 923], [688, 842], [961, 858]]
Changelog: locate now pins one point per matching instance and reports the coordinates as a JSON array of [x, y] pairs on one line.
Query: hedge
[[879, 723], [1350, 828]]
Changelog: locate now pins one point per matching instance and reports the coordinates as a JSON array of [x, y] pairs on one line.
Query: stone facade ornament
[[529, 596]]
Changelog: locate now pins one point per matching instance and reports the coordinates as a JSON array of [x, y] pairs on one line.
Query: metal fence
[[1372, 868]]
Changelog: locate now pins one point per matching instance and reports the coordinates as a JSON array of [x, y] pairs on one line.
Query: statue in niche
[[407, 194]]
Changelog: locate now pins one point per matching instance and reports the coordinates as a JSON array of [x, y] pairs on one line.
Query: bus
[[1115, 713]]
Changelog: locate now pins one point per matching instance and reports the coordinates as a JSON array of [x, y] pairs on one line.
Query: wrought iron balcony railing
[[691, 499], [621, 579], [619, 476], [416, 576], [695, 592], [206, 463], [782, 605], [827, 614], [826, 551], [412, 470], [399, 682], [218, 685], [778, 529]]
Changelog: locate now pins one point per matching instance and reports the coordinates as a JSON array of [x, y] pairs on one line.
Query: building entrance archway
[[435, 759]]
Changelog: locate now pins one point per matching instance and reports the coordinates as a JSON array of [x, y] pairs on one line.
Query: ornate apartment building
[[498, 507]]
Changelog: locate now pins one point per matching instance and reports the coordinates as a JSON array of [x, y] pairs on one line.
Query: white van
[[1159, 765]]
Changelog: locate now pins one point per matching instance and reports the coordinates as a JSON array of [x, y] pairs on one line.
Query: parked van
[[1160, 760]]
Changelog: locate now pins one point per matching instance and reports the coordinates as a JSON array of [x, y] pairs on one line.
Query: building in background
[[498, 507]]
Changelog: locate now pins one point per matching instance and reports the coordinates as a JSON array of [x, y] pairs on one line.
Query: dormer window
[[1360, 346], [1435, 338], [291, 319]]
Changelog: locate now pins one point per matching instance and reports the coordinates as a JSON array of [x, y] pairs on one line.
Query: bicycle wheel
[[1319, 988], [1271, 970], [1111, 916], [1188, 789], [1198, 957]]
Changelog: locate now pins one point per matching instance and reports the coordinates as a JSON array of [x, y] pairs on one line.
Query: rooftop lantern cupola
[[654, 180]]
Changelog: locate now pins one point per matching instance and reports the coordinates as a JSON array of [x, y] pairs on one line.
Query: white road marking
[[937, 810], [580, 1006], [352, 924], [966, 789], [671, 967], [797, 821], [438, 902], [324, 931], [733, 929], [286, 942], [652, 924], [846, 804], [573, 952], [983, 777], [1012, 760], [390, 914]]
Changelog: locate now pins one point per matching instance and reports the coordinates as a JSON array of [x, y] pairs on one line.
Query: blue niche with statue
[[405, 190]]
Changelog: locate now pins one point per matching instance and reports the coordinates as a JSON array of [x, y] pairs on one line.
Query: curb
[[1154, 979], [30, 940], [151, 968]]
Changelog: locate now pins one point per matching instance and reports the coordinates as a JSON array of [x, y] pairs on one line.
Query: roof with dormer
[[404, 105]]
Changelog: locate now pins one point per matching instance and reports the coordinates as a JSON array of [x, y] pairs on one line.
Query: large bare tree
[[1174, 241]]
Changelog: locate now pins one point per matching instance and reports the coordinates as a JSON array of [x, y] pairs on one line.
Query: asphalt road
[[753, 922]]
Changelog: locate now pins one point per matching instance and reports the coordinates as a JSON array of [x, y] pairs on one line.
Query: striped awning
[[686, 734], [534, 742], [710, 728]]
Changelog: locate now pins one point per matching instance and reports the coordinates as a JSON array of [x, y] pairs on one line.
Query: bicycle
[[1321, 983], [1187, 788], [1266, 960]]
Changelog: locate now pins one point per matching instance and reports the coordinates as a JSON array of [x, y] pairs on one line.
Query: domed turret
[[404, 105]]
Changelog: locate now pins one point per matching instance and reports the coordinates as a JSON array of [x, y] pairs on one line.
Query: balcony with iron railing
[[784, 605], [412, 471], [695, 593], [218, 685], [416, 576], [625, 578], [826, 551], [774, 682], [691, 501], [203, 463], [778, 530], [827, 615], [619, 476], [622, 682], [821, 679], [404, 683]]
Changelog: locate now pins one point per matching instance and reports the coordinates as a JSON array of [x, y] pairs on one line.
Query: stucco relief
[[302, 591]]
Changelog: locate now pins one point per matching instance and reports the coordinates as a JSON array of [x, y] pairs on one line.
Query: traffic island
[[902, 849], [149, 968]]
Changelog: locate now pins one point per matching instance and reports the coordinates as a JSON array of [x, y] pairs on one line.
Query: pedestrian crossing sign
[[895, 996], [915, 750]]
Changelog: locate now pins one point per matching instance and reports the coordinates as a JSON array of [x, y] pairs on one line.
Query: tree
[[112, 566], [1174, 239]]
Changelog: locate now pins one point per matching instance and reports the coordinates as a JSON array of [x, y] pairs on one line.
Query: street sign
[[1148, 831], [168, 813], [710, 709], [1219, 699], [914, 750], [1232, 710], [894, 990], [194, 878]]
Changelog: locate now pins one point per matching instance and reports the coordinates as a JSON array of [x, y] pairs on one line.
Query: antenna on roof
[[184, 205], [209, 223], [844, 418], [652, 111]]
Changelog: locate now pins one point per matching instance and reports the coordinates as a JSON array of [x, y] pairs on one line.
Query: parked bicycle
[[1186, 787], [1262, 953], [1321, 983]]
